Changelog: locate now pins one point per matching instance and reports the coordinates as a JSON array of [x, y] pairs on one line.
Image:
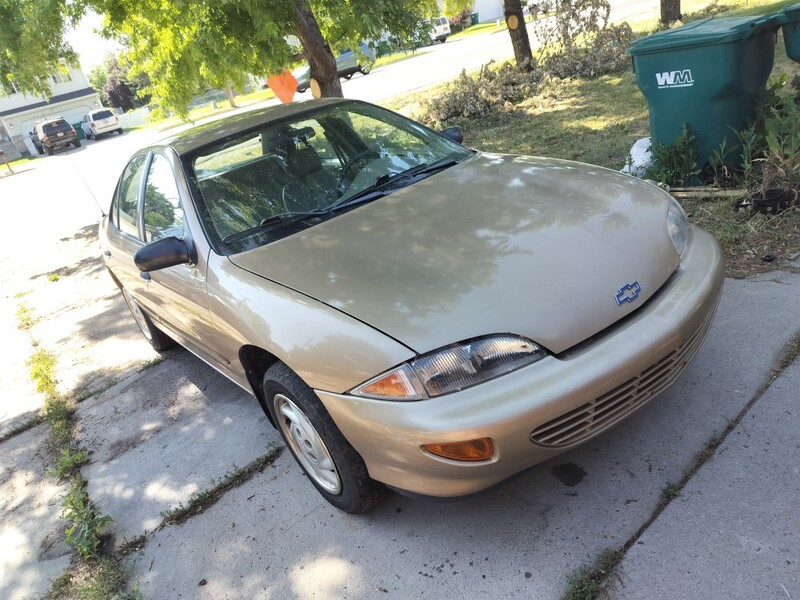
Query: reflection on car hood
[[532, 246]]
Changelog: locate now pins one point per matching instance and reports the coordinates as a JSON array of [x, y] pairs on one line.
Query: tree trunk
[[229, 94], [519, 34], [318, 53], [670, 11]]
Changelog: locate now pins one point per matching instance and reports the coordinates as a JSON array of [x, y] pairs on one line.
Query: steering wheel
[[353, 162]]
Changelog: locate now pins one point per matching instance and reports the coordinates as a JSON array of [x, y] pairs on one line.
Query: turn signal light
[[470, 451]]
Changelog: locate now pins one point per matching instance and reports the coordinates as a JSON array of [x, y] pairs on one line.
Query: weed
[[53, 277], [19, 295], [69, 461], [675, 163], [134, 545], [25, 318], [200, 501], [670, 491], [43, 368], [85, 521], [97, 579], [586, 583], [718, 164]]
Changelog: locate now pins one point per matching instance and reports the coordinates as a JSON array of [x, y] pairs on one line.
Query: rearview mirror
[[454, 133], [163, 253]]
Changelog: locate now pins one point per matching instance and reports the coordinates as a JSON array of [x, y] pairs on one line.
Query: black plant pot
[[772, 201]]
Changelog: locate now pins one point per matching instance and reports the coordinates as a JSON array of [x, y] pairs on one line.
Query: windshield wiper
[[282, 218], [382, 184]]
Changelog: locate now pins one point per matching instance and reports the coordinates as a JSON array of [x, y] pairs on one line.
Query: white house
[[488, 10], [71, 97]]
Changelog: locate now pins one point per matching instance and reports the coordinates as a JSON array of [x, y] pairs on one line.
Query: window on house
[[15, 89], [60, 76]]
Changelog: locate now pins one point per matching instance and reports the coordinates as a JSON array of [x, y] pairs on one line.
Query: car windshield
[[261, 185], [56, 126]]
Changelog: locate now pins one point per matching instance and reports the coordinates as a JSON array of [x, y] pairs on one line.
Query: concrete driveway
[[161, 430]]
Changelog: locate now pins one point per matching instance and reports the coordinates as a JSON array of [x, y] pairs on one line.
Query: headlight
[[453, 368], [677, 227]]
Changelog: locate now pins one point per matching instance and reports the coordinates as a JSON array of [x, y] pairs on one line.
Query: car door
[[122, 233], [175, 296]]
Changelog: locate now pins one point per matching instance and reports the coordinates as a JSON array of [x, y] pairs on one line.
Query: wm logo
[[670, 79]]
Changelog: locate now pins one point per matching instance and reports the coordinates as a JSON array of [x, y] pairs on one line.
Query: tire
[[327, 458], [365, 69], [119, 131], [159, 340], [90, 135], [48, 150], [301, 90], [39, 149], [77, 143]]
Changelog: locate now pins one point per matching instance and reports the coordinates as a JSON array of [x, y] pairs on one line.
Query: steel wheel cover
[[307, 445]]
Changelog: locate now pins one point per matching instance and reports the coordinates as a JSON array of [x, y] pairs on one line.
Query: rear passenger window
[[163, 213], [128, 196]]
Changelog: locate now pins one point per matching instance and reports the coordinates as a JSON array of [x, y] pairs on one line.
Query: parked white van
[[441, 29]]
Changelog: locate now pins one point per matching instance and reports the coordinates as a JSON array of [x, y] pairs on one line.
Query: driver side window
[[163, 212]]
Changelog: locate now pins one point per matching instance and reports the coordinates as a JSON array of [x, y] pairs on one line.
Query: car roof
[[191, 139]]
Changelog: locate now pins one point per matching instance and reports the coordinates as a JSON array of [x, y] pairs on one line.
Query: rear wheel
[[365, 69], [119, 131], [330, 462], [157, 338], [48, 150], [77, 143]]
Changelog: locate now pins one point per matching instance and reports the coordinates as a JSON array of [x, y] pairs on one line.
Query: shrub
[[580, 42], [489, 91]]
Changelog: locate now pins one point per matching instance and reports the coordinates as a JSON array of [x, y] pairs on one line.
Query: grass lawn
[[397, 57], [17, 164], [598, 120]]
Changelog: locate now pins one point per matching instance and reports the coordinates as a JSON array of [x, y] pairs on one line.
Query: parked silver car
[[347, 63], [409, 312]]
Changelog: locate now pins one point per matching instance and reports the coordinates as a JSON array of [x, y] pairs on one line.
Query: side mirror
[[163, 253], [454, 133]]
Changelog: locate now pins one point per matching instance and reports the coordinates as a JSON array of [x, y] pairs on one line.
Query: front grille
[[596, 416]]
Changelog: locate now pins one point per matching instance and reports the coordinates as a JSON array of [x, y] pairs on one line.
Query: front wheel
[[330, 462], [159, 340], [365, 69]]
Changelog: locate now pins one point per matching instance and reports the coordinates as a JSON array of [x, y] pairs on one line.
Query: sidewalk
[[734, 532]]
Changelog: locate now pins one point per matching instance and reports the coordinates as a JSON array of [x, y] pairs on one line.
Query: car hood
[[496, 244]]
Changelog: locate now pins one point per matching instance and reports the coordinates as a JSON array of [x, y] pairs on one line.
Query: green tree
[[32, 42], [186, 46]]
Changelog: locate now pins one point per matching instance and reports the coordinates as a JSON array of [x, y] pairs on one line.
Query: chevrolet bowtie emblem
[[628, 293]]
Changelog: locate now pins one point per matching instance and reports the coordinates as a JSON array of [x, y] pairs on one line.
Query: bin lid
[[793, 12], [705, 32]]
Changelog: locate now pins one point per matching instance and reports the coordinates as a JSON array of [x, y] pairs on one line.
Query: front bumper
[[560, 402]]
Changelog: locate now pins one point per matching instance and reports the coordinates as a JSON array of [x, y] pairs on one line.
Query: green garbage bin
[[79, 130], [791, 30], [473, 19], [707, 74]]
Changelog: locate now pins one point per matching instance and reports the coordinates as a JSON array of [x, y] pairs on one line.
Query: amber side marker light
[[469, 451]]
